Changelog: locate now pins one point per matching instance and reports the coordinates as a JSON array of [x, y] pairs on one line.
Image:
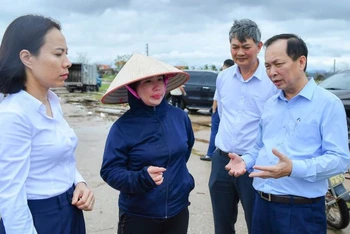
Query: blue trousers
[[131, 224], [55, 215], [215, 120], [225, 193], [279, 218]]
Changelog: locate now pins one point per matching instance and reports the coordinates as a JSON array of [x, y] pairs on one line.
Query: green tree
[[213, 67], [205, 67], [319, 78]]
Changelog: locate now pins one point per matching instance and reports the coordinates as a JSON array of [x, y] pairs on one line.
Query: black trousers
[[130, 224], [225, 192]]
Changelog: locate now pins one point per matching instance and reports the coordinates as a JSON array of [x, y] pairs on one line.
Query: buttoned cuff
[[299, 169], [249, 162]]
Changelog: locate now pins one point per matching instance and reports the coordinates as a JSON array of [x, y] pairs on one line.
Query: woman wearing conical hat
[[147, 149]]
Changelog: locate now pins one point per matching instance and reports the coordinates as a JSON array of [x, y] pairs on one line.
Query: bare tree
[[121, 60], [82, 58]]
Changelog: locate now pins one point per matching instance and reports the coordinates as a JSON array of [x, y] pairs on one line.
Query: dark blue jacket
[[149, 136]]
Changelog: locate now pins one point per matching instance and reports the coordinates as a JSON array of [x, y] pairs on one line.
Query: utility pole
[[334, 66], [147, 49]]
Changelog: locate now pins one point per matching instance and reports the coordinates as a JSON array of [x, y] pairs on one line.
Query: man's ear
[[260, 45], [26, 58], [302, 63]]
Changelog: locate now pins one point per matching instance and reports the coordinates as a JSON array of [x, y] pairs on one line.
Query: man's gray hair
[[245, 29]]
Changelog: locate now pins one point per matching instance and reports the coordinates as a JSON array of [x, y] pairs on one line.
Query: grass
[[108, 78], [103, 88]]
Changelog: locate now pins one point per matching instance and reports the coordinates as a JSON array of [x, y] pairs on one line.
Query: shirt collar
[[28, 99], [306, 92], [259, 72]]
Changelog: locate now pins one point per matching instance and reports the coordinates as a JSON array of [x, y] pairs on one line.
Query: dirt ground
[[92, 126]]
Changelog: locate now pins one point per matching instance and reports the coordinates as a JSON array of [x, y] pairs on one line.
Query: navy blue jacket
[[149, 136]]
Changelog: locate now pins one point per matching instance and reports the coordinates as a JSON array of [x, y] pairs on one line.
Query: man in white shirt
[[215, 120], [301, 142], [242, 91]]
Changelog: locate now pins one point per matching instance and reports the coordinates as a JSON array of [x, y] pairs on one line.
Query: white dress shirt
[[37, 158], [215, 96], [310, 129], [240, 104], [176, 92]]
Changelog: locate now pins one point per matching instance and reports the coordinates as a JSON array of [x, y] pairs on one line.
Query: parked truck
[[83, 77]]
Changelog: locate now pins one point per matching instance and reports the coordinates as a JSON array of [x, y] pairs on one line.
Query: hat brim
[[140, 67], [119, 94]]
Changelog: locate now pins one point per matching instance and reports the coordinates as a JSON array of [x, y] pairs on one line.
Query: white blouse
[[37, 157]]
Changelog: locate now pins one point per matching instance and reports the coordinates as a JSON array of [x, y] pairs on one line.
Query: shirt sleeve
[[251, 156], [335, 157], [78, 177], [217, 95], [15, 147]]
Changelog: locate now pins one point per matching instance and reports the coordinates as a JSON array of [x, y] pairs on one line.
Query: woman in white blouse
[[41, 190]]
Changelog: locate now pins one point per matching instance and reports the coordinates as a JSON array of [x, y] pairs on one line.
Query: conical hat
[[137, 68]]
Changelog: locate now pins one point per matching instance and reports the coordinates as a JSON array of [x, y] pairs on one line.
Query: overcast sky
[[189, 32]]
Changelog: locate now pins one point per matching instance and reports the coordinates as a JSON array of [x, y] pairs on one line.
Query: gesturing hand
[[281, 169], [236, 166], [83, 197], [156, 173]]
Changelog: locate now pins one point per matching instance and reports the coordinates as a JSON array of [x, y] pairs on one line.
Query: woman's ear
[[26, 58]]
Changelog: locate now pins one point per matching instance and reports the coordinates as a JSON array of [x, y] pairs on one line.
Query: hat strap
[[166, 79], [132, 91]]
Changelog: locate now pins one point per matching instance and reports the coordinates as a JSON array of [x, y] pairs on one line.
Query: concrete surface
[[92, 130]]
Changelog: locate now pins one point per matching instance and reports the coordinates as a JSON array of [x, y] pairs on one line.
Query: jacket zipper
[[169, 154]]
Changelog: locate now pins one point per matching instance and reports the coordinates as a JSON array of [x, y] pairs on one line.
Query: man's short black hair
[[229, 63], [296, 47]]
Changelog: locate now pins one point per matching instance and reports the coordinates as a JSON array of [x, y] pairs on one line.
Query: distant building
[[106, 69]]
